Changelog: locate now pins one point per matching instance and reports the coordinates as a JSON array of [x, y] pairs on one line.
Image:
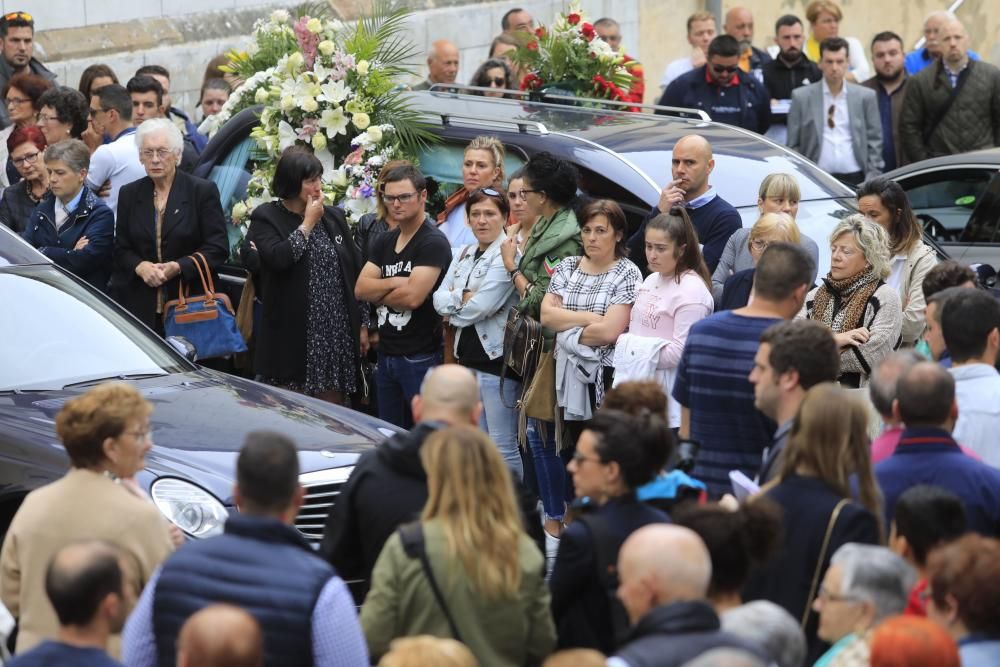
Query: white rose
[[239, 211], [339, 179], [315, 26], [326, 47], [362, 67], [287, 103], [310, 104], [319, 141], [295, 61], [279, 16], [261, 96], [361, 120], [375, 134]]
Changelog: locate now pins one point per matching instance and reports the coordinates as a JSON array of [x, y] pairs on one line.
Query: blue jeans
[[550, 469], [397, 381], [499, 421]]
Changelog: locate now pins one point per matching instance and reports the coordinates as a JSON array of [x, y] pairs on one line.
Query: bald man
[[739, 25], [715, 220], [953, 106], [664, 573], [442, 64], [220, 635], [918, 59], [388, 486]]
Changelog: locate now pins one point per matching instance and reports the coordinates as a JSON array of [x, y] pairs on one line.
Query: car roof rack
[[456, 89], [523, 126]]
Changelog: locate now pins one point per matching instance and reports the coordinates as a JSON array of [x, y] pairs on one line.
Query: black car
[[61, 336], [957, 198], [620, 156]]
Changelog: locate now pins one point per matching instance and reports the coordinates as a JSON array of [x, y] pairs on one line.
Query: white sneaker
[[551, 549]]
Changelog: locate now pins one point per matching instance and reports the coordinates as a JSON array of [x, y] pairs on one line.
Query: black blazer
[[284, 288], [807, 503], [193, 222]]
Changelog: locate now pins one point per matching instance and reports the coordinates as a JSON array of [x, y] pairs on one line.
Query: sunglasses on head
[[19, 16]]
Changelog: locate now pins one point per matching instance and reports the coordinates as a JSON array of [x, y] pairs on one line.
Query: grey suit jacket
[[807, 121]]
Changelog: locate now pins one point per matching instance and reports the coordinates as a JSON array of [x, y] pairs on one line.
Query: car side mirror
[[184, 347]]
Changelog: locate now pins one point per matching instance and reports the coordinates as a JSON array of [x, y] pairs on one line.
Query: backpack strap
[[414, 545]]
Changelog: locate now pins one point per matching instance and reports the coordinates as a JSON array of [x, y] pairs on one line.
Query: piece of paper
[[743, 486]]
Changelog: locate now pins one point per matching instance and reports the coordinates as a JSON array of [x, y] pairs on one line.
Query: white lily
[[334, 121], [333, 92], [286, 135]]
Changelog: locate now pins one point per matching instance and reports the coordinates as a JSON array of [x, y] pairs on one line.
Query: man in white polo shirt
[[115, 163]]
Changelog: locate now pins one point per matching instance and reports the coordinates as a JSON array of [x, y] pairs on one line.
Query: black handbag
[[522, 348]]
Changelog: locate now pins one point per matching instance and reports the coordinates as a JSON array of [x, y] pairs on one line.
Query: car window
[[443, 162], [944, 200], [55, 332], [984, 223], [231, 175]]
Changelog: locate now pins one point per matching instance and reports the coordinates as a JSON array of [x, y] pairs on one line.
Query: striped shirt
[[712, 383]]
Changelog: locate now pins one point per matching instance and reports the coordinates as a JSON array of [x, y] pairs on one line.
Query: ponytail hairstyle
[[495, 148], [678, 227]]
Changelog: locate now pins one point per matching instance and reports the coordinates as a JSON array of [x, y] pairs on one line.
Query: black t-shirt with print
[[418, 331]]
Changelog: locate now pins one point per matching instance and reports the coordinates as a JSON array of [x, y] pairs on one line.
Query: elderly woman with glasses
[[25, 147], [475, 296], [163, 219], [106, 435], [65, 114], [72, 226], [862, 310]]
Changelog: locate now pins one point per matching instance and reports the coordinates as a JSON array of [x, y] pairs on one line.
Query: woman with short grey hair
[[770, 626], [864, 313], [864, 585], [71, 225], [164, 219]]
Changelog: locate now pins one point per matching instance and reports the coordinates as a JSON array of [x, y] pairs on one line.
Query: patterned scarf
[[840, 304]]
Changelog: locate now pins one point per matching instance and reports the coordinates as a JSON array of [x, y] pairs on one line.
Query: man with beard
[[889, 84], [789, 70], [739, 26]]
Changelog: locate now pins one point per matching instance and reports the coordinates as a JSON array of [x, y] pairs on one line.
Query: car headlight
[[192, 509]]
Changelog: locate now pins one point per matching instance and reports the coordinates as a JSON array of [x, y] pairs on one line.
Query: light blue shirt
[[337, 638], [977, 391], [700, 201], [493, 295]]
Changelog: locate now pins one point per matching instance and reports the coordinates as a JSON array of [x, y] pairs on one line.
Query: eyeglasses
[[759, 244], [829, 116], [580, 458], [515, 194], [94, 112], [14, 101], [19, 16], [725, 69], [26, 159], [402, 199], [160, 153], [522, 193], [45, 118], [498, 81]]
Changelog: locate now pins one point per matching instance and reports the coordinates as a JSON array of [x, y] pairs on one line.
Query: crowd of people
[[673, 446]]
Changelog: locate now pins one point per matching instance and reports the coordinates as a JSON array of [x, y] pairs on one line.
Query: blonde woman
[[827, 453], [488, 571], [778, 193], [482, 167], [769, 228], [862, 310]]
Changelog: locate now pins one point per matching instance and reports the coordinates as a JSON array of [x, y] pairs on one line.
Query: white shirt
[[977, 392], [676, 69], [895, 279], [457, 229], [836, 155], [118, 161]]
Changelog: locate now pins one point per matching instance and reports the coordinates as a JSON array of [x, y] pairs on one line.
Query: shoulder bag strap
[[822, 557], [412, 536], [933, 126]]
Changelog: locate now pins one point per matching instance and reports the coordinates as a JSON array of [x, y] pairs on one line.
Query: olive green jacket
[[550, 241], [501, 633]]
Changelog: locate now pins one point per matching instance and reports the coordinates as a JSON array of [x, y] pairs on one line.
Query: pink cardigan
[[665, 308]]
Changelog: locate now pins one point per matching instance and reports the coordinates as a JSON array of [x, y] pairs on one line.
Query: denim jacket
[[493, 296]]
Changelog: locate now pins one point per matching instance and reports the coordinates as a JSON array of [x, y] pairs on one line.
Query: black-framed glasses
[[524, 191], [404, 198], [725, 69], [829, 116], [25, 159]]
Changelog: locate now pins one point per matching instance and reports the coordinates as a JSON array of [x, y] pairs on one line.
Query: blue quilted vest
[[259, 564]]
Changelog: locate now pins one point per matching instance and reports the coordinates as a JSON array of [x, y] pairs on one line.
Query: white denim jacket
[[493, 296]]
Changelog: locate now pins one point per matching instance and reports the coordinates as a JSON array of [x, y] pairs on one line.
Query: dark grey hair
[[876, 575], [771, 627], [885, 377], [72, 152]]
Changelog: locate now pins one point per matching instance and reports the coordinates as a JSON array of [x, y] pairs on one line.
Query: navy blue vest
[[261, 565]]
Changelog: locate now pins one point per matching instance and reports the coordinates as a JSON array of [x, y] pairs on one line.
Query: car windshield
[[56, 332]]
